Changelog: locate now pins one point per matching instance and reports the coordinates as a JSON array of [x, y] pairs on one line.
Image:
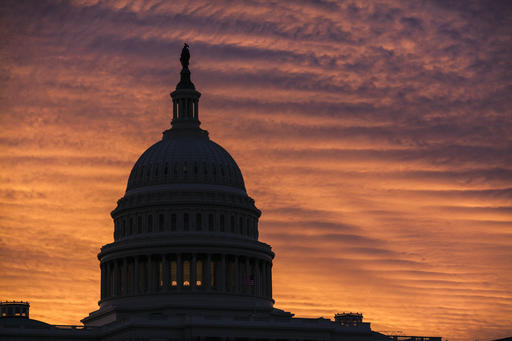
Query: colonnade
[[185, 108], [147, 274]]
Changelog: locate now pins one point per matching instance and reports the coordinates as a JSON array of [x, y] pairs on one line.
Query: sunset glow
[[375, 137]]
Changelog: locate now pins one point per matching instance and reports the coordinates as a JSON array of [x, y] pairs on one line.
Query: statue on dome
[[185, 56]]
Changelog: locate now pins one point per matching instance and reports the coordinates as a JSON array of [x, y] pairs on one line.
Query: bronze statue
[[185, 56]]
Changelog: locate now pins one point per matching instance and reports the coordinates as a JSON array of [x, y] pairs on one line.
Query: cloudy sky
[[376, 138]]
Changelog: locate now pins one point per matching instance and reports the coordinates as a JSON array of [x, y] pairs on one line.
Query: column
[[179, 275], [196, 109], [257, 276], [115, 279], [165, 273], [270, 280], [247, 275], [237, 275], [150, 280], [135, 275], [124, 278], [227, 275], [108, 291], [103, 281], [222, 274], [174, 112], [208, 274], [264, 279], [193, 275]]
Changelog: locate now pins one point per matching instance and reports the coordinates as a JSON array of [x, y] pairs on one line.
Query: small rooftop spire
[[185, 99]]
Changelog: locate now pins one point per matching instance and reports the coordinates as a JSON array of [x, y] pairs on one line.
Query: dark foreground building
[[186, 262]]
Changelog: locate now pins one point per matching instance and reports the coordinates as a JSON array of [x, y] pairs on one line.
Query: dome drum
[[190, 212]]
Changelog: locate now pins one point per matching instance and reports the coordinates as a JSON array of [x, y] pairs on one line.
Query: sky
[[375, 136]]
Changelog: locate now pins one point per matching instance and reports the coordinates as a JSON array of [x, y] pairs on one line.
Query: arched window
[[185, 222], [210, 222], [161, 222], [173, 222], [222, 223], [150, 223], [166, 169], [186, 273], [199, 221], [173, 273], [241, 223], [139, 224]]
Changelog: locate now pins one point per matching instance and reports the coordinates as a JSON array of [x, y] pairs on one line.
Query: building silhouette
[[186, 262]]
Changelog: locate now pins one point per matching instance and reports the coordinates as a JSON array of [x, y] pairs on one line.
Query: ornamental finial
[[185, 82]]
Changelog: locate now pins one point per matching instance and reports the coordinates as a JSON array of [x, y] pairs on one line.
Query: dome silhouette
[[185, 158]]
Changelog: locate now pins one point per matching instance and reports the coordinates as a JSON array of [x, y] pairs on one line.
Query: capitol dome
[[185, 230]]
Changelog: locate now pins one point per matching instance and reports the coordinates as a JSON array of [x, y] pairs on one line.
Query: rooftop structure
[[186, 262], [14, 309]]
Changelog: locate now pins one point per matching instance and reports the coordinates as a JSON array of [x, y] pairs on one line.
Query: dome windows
[[222, 223], [185, 222], [210, 222], [173, 222], [199, 217], [150, 223], [232, 222], [161, 222]]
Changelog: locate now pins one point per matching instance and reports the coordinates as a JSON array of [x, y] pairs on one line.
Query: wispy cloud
[[375, 137]]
